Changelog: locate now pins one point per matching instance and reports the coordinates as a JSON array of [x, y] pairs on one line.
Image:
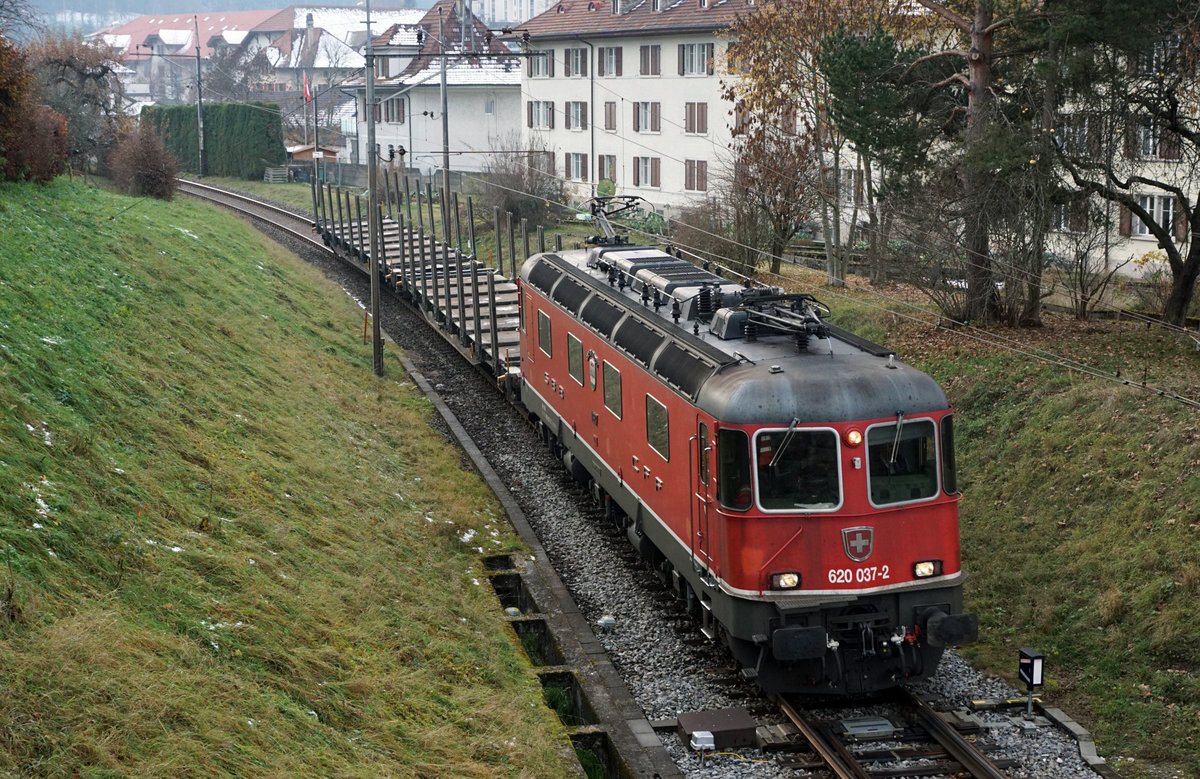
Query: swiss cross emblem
[[858, 542]]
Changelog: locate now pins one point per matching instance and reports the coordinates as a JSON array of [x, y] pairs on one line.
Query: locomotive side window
[[949, 471], [798, 469], [544, 341], [733, 469], [658, 427], [902, 462], [575, 358], [612, 389]]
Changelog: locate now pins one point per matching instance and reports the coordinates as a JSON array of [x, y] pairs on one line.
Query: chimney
[[308, 21]]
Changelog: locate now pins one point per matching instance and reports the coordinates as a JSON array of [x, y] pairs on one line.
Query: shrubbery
[[141, 166], [33, 138]]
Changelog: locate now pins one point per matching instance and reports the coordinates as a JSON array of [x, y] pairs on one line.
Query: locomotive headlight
[[927, 568], [785, 581], [853, 438]]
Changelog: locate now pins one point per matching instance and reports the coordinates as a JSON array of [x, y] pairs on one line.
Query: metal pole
[[471, 227], [373, 202], [512, 245], [541, 239], [445, 118], [457, 223], [499, 238], [199, 104], [429, 204]]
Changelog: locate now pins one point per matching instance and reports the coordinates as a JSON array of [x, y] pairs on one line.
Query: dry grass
[[230, 549]]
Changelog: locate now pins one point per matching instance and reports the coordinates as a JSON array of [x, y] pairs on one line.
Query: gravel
[[666, 663]]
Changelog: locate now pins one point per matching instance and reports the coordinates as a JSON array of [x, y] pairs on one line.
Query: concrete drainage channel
[[611, 736]]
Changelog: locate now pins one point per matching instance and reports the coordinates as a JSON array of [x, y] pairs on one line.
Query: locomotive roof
[[733, 350]]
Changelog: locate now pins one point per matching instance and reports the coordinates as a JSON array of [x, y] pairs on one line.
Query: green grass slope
[[1080, 521], [226, 549]]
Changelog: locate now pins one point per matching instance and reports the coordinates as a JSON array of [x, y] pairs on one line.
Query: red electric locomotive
[[793, 482]]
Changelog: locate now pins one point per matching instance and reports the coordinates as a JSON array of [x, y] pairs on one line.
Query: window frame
[[1156, 210], [545, 334], [575, 358], [605, 369], [937, 454], [657, 430]]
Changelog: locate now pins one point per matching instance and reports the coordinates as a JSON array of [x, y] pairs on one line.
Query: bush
[[35, 147], [141, 166]]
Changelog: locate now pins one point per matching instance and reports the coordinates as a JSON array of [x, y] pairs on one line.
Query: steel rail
[[951, 740], [839, 759], [247, 205]]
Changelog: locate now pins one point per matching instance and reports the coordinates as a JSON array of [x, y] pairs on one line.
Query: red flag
[[307, 95]]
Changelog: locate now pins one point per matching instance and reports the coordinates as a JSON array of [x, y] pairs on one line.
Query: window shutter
[[600, 67], [655, 165], [617, 57], [529, 113], [637, 172], [587, 163], [644, 57], [583, 116], [655, 117], [550, 63], [689, 174], [529, 66], [550, 112], [689, 117], [708, 59], [681, 46], [583, 61], [567, 73], [378, 117], [567, 164], [702, 175], [610, 115], [702, 118], [1126, 222], [1181, 224], [637, 117], [655, 60]]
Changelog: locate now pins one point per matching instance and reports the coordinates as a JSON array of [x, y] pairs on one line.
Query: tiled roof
[[572, 18], [172, 28]]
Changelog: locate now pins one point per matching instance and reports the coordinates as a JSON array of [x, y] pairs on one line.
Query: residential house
[[483, 86], [631, 93]]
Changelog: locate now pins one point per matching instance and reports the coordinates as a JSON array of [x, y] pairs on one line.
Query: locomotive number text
[[866, 575]]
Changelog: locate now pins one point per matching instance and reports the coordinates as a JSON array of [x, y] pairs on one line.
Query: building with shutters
[[630, 93]]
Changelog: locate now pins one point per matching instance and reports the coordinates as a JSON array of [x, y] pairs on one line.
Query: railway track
[[873, 747], [298, 226]]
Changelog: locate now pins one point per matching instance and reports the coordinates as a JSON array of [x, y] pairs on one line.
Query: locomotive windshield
[[902, 460], [798, 469]]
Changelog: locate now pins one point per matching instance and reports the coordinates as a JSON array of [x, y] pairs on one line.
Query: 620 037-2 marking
[[865, 575]]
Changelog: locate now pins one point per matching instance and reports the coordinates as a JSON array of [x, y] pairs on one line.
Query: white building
[[483, 86], [631, 94]]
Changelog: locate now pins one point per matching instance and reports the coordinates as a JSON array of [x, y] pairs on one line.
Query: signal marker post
[[1030, 663]]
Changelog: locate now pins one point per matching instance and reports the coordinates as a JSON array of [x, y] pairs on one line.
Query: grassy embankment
[[228, 549], [1080, 519]]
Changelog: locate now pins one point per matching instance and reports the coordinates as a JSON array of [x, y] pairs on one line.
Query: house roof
[[574, 18], [311, 47], [178, 30]]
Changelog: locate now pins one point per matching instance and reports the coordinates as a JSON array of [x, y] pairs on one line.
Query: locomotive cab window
[[544, 341], [797, 469], [902, 462], [949, 472], [733, 469], [612, 389], [658, 428], [575, 358]]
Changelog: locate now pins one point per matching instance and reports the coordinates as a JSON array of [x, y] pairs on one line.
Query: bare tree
[[522, 182], [79, 80]]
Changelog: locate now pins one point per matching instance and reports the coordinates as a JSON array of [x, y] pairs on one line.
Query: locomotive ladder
[[474, 307]]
